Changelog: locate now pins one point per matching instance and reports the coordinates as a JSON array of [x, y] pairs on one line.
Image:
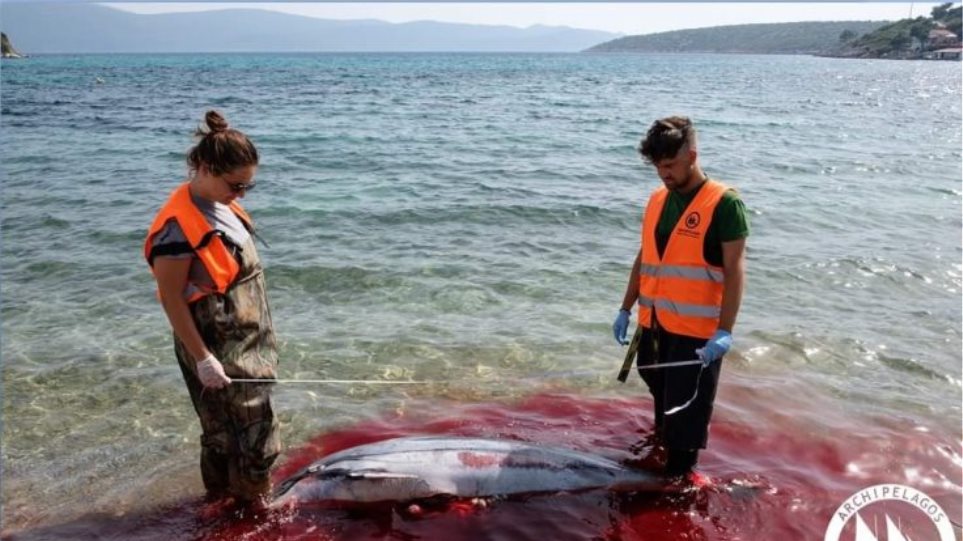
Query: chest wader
[[240, 439]]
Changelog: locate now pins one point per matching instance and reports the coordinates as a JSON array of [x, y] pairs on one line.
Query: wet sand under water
[[767, 484]]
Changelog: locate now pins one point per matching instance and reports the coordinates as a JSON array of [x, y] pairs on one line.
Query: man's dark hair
[[666, 137]]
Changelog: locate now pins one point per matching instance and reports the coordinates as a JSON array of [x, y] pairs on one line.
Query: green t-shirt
[[730, 221]]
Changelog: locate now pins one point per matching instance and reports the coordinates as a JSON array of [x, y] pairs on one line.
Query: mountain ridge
[[89, 28], [807, 37]]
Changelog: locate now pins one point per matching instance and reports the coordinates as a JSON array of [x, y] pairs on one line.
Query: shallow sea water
[[470, 220]]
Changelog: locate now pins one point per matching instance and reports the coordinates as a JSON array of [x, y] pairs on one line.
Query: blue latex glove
[[621, 326], [715, 347]]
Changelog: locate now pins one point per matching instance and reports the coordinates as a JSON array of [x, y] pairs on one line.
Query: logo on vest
[[692, 221], [912, 513]]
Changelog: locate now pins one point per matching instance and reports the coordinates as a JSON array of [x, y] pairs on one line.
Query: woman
[[210, 283]]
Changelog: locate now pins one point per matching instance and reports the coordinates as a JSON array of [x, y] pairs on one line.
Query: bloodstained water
[[765, 485]]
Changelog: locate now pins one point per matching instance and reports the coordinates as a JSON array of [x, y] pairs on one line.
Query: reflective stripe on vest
[[678, 271], [681, 289], [696, 310], [204, 239]]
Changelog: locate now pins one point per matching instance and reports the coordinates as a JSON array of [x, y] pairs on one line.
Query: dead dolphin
[[413, 468]]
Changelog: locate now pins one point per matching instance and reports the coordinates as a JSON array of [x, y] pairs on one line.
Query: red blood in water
[[769, 481], [783, 485]]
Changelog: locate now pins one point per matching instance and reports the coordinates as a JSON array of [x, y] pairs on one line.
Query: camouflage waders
[[240, 439]]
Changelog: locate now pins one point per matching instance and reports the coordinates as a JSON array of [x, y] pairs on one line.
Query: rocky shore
[[6, 48]]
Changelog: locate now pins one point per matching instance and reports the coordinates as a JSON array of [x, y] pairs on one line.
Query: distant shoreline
[[465, 53]]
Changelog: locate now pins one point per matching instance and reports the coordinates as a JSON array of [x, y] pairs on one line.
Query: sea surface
[[469, 221]]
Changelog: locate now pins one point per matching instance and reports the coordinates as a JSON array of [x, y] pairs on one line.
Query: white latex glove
[[211, 373]]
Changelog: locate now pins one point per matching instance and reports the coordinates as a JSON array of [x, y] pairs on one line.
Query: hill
[[775, 38], [906, 38], [43, 27]]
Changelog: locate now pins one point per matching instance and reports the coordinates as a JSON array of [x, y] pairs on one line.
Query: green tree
[[899, 41], [921, 31], [847, 36], [939, 12], [954, 20]]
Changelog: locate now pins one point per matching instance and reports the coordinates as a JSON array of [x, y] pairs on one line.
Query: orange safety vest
[[204, 239], [681, 286]]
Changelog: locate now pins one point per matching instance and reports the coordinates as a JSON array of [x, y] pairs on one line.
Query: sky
[[625, 18]]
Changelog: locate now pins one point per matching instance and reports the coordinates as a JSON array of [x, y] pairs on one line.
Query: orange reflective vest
[[204, 239], [681, 287]]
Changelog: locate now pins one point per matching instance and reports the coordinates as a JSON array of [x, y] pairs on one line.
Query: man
[[687, 280]]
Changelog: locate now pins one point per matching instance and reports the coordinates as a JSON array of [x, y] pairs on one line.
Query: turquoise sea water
[[470, 220]]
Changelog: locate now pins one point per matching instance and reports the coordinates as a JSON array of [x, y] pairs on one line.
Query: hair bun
[[220, 149], [215, 122]]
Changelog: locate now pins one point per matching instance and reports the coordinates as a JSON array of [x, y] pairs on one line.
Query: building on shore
[[940, 37], [950, 53]]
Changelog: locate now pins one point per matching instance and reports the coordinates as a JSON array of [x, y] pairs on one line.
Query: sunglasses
[[238, 187]]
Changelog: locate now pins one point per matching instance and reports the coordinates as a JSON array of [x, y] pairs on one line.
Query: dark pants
[[688, 429]]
